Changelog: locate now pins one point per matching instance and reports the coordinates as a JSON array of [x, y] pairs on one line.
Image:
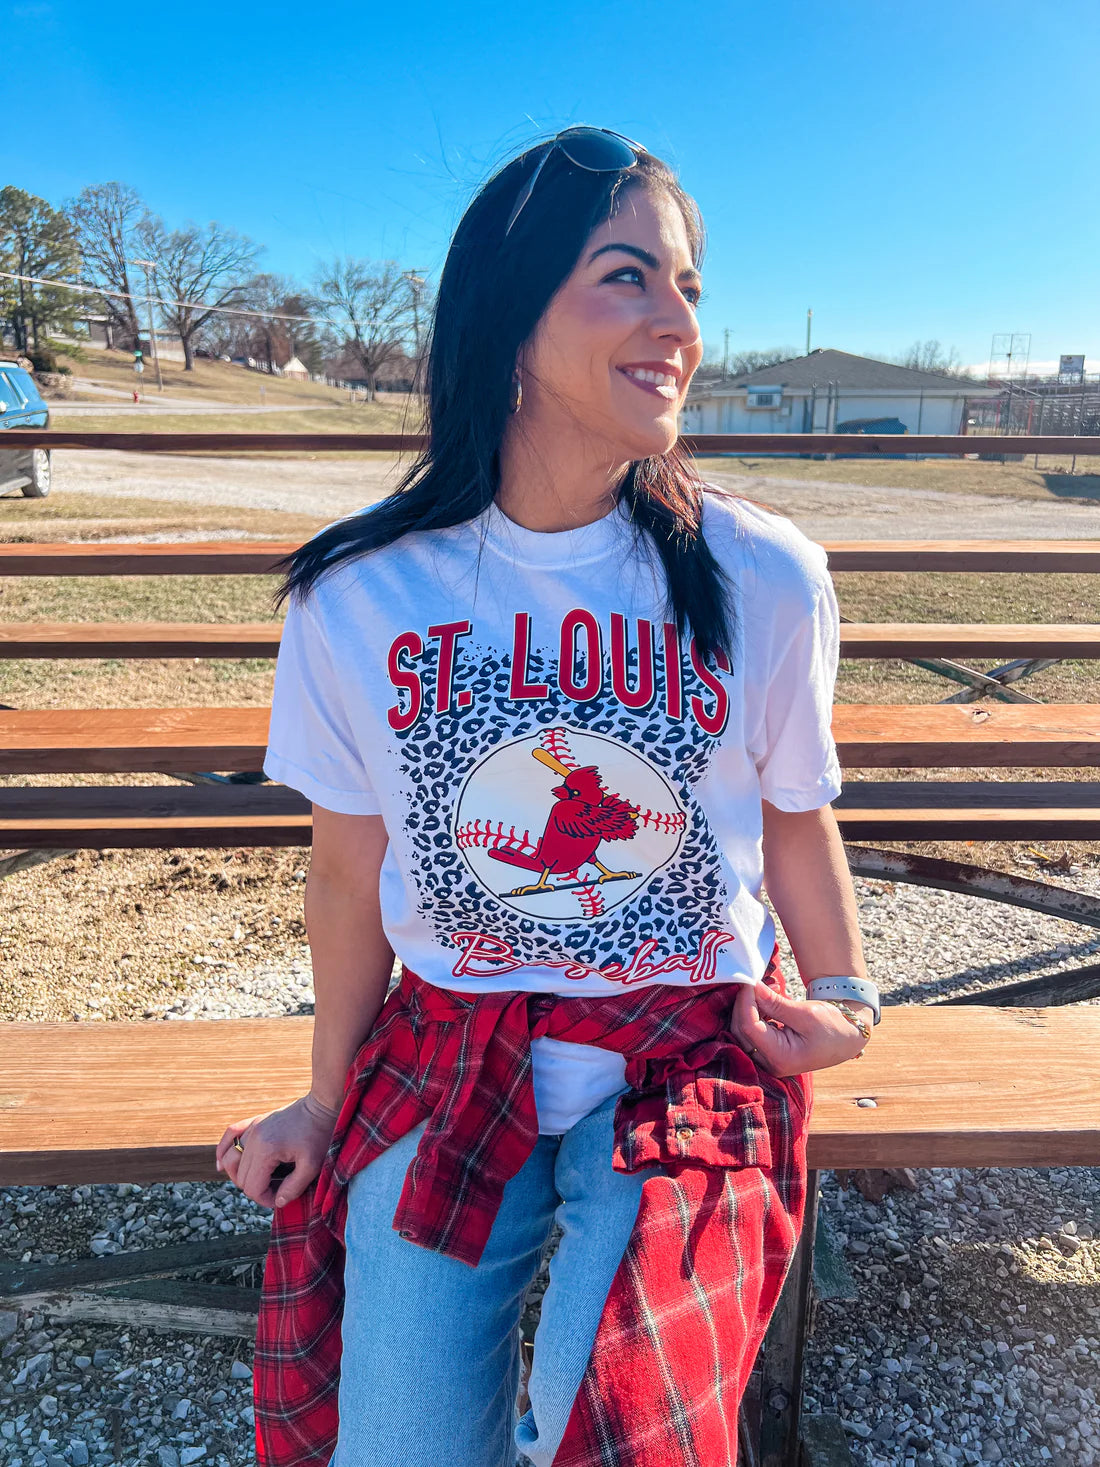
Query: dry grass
[[90, 517], [394, 416], [208, 382], [1052, 480], [113, 933]]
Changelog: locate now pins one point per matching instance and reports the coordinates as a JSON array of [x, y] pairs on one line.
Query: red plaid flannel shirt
[[715, 1231]]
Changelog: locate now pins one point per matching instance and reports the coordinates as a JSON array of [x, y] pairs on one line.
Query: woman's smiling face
[[618, 344]]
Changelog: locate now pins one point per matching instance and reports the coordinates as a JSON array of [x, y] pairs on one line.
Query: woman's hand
[[299, 1134], [814, 1035]]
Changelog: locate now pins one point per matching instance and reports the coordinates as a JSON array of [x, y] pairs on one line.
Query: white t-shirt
[[572, 797]]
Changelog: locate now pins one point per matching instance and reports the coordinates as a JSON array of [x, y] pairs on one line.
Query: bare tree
[[279, 326], [372, 306], [37, 240], [270, 342], [200, 270], [744, 362], [227, 336], [282, 327], [106, 217], [929, 356]]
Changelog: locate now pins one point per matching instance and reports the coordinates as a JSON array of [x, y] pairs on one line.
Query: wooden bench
[[147, 1102], [942, 1082], [178, 740], [261, 639]]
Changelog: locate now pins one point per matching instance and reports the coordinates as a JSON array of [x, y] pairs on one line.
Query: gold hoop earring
[[517, 394]]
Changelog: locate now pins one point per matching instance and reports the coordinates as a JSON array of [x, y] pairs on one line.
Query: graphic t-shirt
[[572, 794]]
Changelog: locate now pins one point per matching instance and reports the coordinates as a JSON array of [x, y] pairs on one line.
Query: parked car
[[872, 425], [22, 406]]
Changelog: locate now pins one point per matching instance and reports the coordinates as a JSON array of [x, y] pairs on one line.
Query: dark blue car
[[22, 406], [872, 425]]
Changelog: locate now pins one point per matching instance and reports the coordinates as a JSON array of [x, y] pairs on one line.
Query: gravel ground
[[974, 1337], [333, 487]]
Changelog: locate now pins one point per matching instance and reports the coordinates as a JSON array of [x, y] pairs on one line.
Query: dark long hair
[[492, 294]]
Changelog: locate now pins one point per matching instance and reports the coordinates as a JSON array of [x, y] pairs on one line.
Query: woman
[[561, 711]]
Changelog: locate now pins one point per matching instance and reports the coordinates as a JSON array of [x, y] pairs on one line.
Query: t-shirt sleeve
[[798, 764], [311, 745]]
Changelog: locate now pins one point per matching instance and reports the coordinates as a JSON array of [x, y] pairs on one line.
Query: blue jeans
[[430, 1364]]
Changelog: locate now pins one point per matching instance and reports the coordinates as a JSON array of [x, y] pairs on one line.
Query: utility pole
[[148, 266], [809, 328], [726, 354], [416, 285]]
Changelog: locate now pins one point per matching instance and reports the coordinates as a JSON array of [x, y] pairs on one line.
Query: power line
[[255, 313]]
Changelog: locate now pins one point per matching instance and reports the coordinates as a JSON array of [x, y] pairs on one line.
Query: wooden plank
[[19, 1280], [209, 1309], [126, 740], [143, 1101], [899, 639], [143, 817], [997, 886], [261, 639], [977, 794], [1015, 557], [61, 819], [919, 825], [140, 639], [261, 557], [785, 1346], [971, 735], [60, 436], [1074, 985], [891, 736], [197, 558], [969, 810], [858, 445]]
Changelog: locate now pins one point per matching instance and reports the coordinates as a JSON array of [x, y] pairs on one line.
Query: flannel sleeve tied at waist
[[697, 1107]]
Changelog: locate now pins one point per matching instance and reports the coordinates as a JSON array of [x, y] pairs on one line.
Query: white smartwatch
[[860, 989]]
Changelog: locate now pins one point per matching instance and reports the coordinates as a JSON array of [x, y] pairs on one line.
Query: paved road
[[177, 407], [827, 511], [835, 510], [330, 488], [156, 402]]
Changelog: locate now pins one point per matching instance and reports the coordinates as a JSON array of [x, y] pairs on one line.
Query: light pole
[[148, 266]]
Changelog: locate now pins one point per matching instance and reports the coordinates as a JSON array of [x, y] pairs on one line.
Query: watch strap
[[861, 989]]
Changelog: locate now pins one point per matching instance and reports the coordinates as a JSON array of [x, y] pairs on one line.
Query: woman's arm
[[807, 878], [352, 959]]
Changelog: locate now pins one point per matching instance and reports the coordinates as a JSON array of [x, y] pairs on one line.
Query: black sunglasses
[[597, 149]]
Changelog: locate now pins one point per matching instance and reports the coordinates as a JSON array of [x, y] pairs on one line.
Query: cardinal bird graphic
[[501, 810], [584, 817]]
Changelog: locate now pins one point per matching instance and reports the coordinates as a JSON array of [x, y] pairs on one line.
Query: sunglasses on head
[[597, 149]]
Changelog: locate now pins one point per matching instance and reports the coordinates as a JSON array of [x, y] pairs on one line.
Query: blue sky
[[908, 170]]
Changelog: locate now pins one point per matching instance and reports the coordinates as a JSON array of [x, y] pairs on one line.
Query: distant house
[[295, 369], [346, 370], [105, 334], [821, 392]]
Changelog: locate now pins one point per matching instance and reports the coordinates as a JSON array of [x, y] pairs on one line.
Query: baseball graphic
[[566, 825]]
